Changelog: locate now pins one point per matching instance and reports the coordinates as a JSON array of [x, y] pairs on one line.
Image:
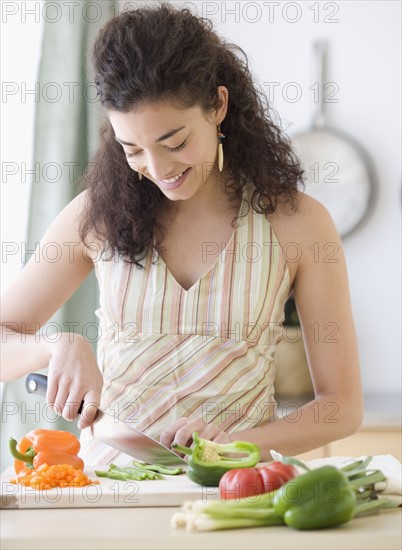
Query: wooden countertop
[[149, 528]]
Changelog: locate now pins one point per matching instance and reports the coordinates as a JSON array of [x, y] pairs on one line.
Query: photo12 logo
[[49, 92], [69, 11], [266, 12], [225, 12]]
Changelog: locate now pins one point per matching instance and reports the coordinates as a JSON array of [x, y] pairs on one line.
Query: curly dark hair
[[159, 53]]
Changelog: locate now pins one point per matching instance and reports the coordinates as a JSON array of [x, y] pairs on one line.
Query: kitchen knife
[[120, 435]]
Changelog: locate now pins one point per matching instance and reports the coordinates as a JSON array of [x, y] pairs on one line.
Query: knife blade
[[120, 435]]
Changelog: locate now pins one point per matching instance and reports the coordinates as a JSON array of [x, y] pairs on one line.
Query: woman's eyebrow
[[161, 138]]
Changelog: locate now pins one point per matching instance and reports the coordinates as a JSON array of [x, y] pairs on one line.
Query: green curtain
[[67, 120]]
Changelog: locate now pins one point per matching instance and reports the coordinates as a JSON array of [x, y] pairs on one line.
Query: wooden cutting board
[[110, 493]]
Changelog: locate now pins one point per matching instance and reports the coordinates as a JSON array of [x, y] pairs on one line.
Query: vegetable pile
[[209, 461], [46, 447], [48, 477], [45, 459], [139, 471], [320, 498]]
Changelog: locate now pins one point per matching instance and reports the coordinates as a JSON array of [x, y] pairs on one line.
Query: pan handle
[[319, 68], [37, 384]]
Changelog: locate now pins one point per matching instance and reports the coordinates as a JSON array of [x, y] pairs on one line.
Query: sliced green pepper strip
[[111, 474], [133, 472], [159, 468], [207, 461], [127, 474]]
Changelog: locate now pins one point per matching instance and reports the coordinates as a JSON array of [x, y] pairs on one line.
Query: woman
[[197, 229]]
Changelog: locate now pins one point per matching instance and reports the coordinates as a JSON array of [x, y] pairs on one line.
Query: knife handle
[[37, 384]]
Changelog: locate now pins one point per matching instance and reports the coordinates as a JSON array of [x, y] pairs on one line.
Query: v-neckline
[[218, 259]]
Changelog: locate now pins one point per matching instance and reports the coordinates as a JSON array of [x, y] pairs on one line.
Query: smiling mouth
[[175, 182], [173, 179]]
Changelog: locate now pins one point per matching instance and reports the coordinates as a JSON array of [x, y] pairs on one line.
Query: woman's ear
[[223, 96]]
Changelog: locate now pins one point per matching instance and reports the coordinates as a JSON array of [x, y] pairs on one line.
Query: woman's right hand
[[73, 377]]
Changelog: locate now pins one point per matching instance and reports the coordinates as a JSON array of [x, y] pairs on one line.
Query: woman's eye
[[178, 147], [172, 149]]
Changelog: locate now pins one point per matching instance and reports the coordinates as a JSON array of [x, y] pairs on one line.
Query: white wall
[[364, 60]]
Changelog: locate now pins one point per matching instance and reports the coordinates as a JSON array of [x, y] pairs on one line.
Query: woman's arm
[[40, 289], [322, 297]]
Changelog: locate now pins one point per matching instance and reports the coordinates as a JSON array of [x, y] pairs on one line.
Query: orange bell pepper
[[46, 447]]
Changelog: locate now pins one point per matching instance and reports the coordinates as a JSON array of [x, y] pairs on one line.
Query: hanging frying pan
[[338, 172]]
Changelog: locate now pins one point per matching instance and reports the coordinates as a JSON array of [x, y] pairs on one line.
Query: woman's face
[[174, 148]]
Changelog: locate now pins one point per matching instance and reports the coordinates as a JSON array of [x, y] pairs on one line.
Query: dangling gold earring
[[139, 176], [220, 149]]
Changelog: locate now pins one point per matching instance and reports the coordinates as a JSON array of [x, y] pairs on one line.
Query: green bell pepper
[[208, 461], [317, 499]]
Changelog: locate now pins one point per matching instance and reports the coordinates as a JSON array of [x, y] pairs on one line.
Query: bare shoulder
[[71, 217], [309, 227], [73, 211], [309, 219]]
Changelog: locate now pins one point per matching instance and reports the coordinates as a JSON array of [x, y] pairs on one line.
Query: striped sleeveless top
[[208, 352]]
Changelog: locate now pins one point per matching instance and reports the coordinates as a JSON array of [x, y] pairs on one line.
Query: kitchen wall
[[364, 61]]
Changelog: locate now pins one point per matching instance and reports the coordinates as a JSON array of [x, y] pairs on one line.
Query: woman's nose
[[157, 166]]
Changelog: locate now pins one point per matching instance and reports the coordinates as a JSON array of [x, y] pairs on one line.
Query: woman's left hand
[[181, 432]]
